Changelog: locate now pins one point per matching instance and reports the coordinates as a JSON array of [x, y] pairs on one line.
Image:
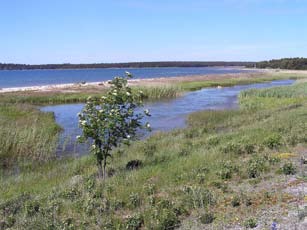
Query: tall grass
[[26, 135]]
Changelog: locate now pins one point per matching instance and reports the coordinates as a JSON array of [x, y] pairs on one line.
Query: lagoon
[[166, 115]]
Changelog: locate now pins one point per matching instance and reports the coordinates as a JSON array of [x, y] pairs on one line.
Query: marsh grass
[[26, 135]]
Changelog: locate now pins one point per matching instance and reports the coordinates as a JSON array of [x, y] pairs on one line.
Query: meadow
[[221, 171]]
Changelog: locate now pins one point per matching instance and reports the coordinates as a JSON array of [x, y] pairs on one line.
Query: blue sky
[[87, 31]]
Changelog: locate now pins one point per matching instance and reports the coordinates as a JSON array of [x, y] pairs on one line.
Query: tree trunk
[[104, 168], [99, 164]]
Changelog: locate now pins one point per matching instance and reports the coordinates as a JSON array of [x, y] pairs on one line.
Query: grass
[[26, 135], [80, 96], [205, 168]]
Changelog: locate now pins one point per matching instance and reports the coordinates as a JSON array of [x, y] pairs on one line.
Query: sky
[[94, 31]]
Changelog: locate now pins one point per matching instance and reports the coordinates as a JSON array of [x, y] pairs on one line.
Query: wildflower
[[101, 111], [148, 125], [128, 136], [274, 226], [146, 111], [128, 94], [78, 137], [89, 98]]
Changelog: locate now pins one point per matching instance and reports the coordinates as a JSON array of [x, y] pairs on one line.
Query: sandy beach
[[75, 87]]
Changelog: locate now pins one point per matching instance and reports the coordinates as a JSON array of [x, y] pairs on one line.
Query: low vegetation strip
[[186, 179]]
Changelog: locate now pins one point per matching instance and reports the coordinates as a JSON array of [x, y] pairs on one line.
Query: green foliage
[[272, 141], [236, 201], [134, 222], [207, 218], [226, 169], [284, 63], [110, 120], [256, 166], [288, 168], [250, 223]]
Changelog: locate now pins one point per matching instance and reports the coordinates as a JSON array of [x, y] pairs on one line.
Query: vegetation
[[110, 120], [80, 95], [285, 63], [10, 66], [213, 173]]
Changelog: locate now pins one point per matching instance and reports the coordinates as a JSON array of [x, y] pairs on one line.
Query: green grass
[[184, 174], [26, 135], [190, 86], [43, 98]]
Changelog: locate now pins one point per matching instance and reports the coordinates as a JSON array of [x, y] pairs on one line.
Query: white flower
[[127, 73], [89, 98], [103, 97], [83, 122], [78, 137], [115, 94], [146, 111], [141, 92], [128, 94], [148, 125], [101, 111], [128, 136], [93, 146]]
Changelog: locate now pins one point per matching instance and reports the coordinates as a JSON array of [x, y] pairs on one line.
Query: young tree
[[111, 120]]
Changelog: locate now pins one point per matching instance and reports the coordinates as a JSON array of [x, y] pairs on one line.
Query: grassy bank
[[196, 85], [221, 171], [80, 95], [26, 135]]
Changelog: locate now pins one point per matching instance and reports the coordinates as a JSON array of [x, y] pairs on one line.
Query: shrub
[[226, 170], [135, 200], [32, 207], [250, 223], [167, 219], [232, 147], [255, 166], [134, 222], [272, 141], [134, 164], [235, 202], [207, 218], [288, 168]]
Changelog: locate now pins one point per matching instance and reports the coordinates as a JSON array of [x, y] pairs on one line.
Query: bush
[[272, 141], [135, 200], [226, 170], [250, 223], [134, 164], [235, 202], [207, 218], [232, 147], [255, 166], [167, 219], [134, 222], [288, 168]]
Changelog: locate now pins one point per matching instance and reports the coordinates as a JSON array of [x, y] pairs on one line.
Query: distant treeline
[[9, 66], [285, 63]]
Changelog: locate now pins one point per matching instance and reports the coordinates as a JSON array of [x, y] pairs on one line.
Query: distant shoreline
[[135, 82], [186, 64]]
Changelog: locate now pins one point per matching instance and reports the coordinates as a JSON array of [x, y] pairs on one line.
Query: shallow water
[[22, 78], [166, 115]]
